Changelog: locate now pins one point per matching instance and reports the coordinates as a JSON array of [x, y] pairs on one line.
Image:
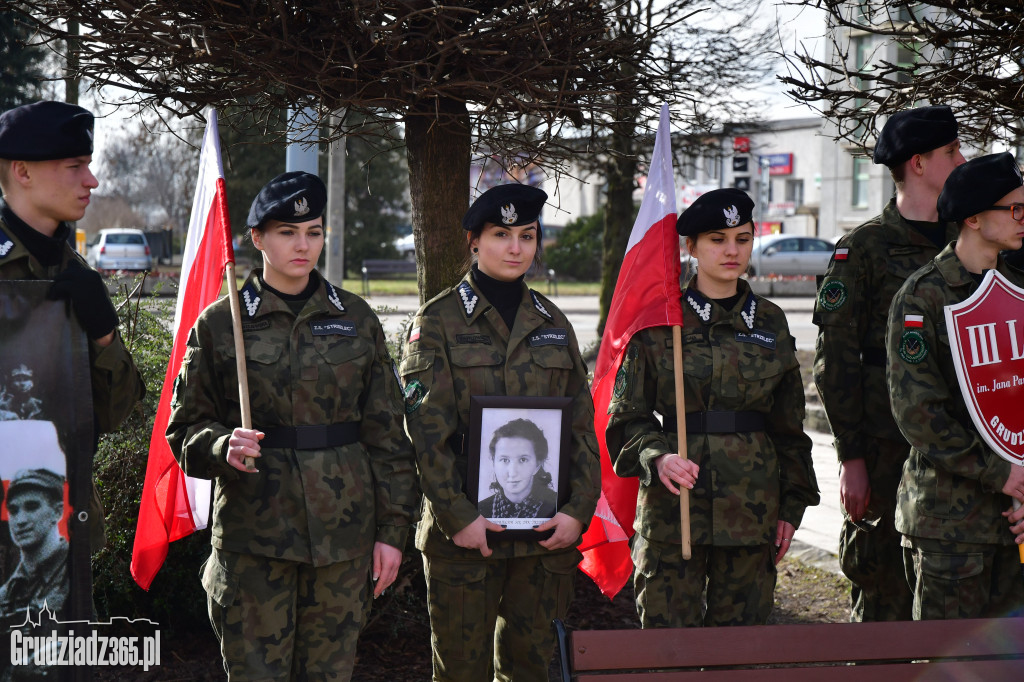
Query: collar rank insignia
[[469, 298], [508, 214], [749, 309], [703, 311], [301, 207], [732, 216], [332, 296], [6, 244], [251, 299], [539, 306]]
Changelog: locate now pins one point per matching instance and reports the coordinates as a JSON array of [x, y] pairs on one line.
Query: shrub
[[176, 599], [577, 253]]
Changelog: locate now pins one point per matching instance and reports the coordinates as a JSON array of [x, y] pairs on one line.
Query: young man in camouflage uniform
[[920, 147], [45, 152], [954, 507]]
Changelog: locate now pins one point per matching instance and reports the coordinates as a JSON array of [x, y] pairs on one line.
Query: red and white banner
[[986, 337], [646, 295], [174, 505]]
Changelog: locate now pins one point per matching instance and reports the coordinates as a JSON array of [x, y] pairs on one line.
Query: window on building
[[861, 174], [711, 167], [795, 192]]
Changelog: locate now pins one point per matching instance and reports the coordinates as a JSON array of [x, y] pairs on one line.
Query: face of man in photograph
[[515, 464], [32, 516]]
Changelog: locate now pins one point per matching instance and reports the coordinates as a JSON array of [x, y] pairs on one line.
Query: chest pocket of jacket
[[347, 358], [760, 371], [554, 362], [264, 371], [476, 370]]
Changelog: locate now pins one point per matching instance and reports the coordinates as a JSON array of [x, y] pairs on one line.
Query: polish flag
[[174, 505], [646, 295]]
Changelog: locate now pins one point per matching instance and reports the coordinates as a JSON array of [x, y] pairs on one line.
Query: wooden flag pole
[[684, 493], [243, 378]]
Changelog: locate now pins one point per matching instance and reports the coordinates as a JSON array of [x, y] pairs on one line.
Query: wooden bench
[[982, 649], [385, 268]]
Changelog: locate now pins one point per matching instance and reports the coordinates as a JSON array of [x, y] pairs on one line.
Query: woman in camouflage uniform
[[298, 540], [491, 599], [749, 461]]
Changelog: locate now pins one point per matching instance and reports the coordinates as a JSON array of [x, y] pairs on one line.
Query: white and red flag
[[646, 295], [174, 505]]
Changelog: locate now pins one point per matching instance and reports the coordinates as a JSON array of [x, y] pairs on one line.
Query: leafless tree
[[964, 54], [701, 53], [507, 75], [153, 170]]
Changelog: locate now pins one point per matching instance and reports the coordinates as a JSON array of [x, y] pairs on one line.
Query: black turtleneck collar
[[504, 296], [296, 302], [47, 250]]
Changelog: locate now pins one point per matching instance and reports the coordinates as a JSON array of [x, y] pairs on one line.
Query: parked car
[[120, 249], [784, 254], [406, 247]]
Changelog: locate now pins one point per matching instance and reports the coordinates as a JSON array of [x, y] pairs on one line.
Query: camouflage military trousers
[[870, 553], [283, 620], [491, 618], [717, 586], [963, 580]]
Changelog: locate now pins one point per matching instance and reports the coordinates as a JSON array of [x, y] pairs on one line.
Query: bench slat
[[942, 671], [780, 644]]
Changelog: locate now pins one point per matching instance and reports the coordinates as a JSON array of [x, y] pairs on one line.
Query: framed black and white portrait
[[518, 461], [46, 446]]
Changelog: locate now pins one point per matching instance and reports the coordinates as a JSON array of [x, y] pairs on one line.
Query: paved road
[[583, 313], [817, 539]]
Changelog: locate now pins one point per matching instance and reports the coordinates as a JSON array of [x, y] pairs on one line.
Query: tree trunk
[[437, 139], [618, 220]]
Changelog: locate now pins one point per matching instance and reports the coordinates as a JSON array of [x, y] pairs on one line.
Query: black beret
[[915, 131], [716, 210], [977, 185], [45, 131], [511, 204], [297, 196], [37, 479]]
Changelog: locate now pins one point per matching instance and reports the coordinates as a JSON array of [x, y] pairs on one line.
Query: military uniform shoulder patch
[[6, 244], [414, 394], [332, 296], [832, 295], [625, 374], [251, 299], [469, 298], [749, 311], [539, 306], [913, 345], [699, 305]]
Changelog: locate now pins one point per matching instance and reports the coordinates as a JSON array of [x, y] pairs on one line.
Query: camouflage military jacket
[[869, 266], [742, 359], [116, 382], [327, 365], [460, 347], [951, 480]]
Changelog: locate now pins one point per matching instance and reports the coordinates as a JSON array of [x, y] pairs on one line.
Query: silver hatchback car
[[121, 249]]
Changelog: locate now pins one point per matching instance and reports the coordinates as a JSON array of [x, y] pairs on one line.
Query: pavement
[[817, 540]]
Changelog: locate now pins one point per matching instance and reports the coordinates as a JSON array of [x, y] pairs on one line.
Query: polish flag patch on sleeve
[[842, 254], [414, 335], [913, 321]]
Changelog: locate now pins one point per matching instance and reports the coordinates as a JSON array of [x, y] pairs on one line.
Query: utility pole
[[335, 263]]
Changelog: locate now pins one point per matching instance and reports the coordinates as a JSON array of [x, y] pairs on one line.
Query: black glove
[[85, 290]]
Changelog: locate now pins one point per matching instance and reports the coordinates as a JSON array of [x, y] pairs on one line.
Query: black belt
[[717, 421], [311, 437], [874, 356]]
